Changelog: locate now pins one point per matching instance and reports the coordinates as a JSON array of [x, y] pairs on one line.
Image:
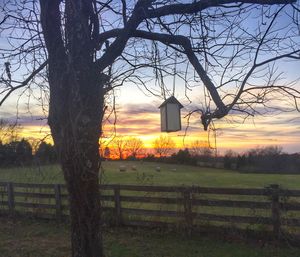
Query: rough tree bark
[[75, 115], [76, 109]]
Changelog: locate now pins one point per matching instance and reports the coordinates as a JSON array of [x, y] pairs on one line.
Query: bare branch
[[198, 6], [24, 83]]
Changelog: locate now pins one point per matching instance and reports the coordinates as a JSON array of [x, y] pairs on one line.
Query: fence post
[[10, 198], [275, 210], [117, 205], [58, 205], [187, 203]]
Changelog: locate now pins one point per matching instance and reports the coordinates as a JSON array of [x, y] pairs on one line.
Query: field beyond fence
[[271, 209]]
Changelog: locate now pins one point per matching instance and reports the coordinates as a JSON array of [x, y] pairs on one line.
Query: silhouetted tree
[[201, 149], [23, 152], [90, 46], [119, 147], [134, 146], [163, 145], [183, 157], [266, 159], [46, 153], [241, 161], [9, 131], [15, 153]]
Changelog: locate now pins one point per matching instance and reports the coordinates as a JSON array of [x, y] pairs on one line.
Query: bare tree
[[9, 131], [119, 147], [272, 150], [163, 145], [200, 148], [134, 146], [81, 49]]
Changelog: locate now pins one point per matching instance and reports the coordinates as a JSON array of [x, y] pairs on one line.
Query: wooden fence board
[[32, 185], [289, 193], [35, 205], [147, 199], [232, 203], [290, 222], [152, 188], [290, 206], [107, 198], [202, 190], [144, 223], [4, 203], [35, 195], [233, 218], [160, 213], [275, 199]]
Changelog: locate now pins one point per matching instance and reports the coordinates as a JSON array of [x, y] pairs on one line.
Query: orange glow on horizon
[[146, 126]]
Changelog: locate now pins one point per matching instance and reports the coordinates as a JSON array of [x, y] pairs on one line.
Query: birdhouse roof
[[171, 100]]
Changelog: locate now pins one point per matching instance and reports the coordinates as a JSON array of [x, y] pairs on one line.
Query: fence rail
[[276, 208]]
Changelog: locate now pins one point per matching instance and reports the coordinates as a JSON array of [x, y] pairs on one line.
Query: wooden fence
[[270, 208]]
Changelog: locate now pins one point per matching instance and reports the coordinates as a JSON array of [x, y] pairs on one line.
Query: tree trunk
[[76, 129], [84, 213], [75, 117]]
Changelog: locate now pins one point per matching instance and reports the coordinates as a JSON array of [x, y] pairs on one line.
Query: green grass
[[146, 174], [32, 238]]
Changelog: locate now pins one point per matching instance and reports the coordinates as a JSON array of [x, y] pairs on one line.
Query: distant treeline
[[20, 153], [268, 159], [183, 156]]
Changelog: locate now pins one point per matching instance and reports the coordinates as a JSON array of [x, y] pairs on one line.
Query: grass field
[[145, 173], [31, 238]]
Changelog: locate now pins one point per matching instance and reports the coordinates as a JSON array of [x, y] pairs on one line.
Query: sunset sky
[[138, 114]]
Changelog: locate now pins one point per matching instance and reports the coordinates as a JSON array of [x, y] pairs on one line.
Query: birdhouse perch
[[170, 119]]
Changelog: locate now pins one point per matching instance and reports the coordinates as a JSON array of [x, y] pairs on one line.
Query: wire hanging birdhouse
[[170, 118]]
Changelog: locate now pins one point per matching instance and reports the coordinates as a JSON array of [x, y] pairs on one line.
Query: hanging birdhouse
[[170, 115]]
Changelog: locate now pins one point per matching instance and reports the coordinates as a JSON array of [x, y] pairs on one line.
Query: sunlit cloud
[[143, 121]]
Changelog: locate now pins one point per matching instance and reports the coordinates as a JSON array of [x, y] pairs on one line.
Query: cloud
[[137, 130], [23, 120], [143, 120], [136, 109], [137, 119], [140, 121]]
